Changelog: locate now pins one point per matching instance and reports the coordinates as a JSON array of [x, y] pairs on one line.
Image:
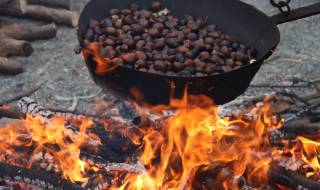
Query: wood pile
[[16, 38]]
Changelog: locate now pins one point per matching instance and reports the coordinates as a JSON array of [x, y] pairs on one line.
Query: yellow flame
[[39, 134], [196, 137]]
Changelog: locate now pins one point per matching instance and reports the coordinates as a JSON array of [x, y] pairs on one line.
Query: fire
[[103, 65], [309, 151], [231, 151], [51, 137], [196, 139]]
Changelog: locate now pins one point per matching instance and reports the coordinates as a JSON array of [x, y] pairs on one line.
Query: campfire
[[194, 148], [173, 75]]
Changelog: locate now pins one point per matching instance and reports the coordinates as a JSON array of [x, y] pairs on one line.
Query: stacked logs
[[15, 38], [44, 10]]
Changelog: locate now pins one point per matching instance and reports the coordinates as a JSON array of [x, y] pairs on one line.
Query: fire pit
[[194, 148], [181, 144]]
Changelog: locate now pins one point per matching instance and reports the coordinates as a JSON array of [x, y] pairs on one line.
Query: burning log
[[28, 32], [34, 177], [213, 177], [305, 127], [11, 111], [293, 180], [116, 147], [20, 8], [12, 47], [66, 4], [10, 67]]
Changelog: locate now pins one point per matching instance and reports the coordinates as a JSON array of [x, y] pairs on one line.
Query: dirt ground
[[68, 84]]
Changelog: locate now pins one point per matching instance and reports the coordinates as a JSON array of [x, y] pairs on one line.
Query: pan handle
[[296, 14]]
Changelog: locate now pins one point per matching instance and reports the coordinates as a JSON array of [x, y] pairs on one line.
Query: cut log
[[10, 67], [28, 32], [38, 12], [66, 4], [11, 47]]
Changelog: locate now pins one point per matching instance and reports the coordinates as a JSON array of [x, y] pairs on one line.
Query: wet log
[[10, 67], [38, 178], [12, 47], [293, 180], [21, 9], [28, 32], [65, 4]]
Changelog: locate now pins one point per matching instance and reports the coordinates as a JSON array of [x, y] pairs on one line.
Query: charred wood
[[11, 111], [290, 179], [10, 67], [35, 177], [21, 9], [13, 47], [116, 146], [305, 127], [213, 177], [66, 4], [28, 32]]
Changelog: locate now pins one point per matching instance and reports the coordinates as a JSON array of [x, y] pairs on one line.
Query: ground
[[66, 79]]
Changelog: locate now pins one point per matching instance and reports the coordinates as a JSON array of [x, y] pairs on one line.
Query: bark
[[66, 4], [21, 9], [28, 32]]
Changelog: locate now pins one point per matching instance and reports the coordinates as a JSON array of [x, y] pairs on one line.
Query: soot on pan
[[154, 41]]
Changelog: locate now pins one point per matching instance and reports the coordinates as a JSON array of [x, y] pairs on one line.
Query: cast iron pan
[[232, 16]]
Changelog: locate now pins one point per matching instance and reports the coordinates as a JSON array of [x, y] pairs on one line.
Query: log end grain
[[27, 49]]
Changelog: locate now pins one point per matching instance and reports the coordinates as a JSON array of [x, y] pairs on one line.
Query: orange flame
[[197, 137], [103, 65], [45, 136], [309, 153]]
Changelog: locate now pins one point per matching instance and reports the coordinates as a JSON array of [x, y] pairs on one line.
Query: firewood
[[28, 32], [21, 9], [11, 111], [39, 178], [11, 47], [10, 67], [114, 144], [66, 4], [290, 179]]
